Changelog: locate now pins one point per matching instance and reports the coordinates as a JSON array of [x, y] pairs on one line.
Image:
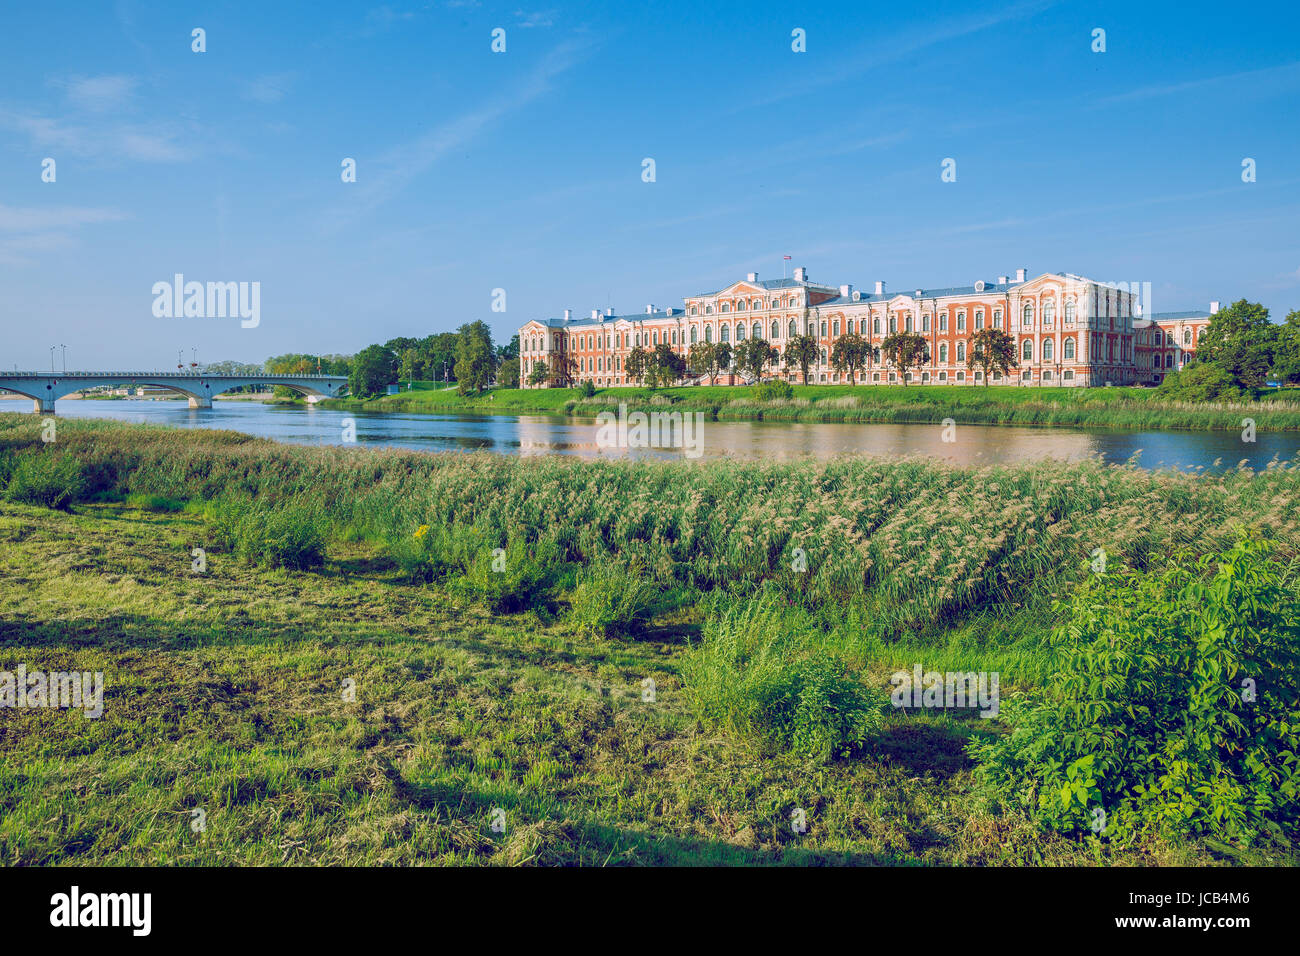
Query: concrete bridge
[[44, 388]]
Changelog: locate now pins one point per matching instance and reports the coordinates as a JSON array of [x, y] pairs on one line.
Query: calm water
[[539, 435]]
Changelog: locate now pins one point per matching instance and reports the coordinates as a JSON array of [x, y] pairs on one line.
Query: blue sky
[[522, 170]]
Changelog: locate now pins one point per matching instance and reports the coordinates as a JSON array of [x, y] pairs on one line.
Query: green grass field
[[1140, 408], [527, 691]]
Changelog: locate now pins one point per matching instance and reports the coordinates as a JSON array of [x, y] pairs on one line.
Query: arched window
[[1049, 313], [740, 332], [925, 323], [740, 306], [943, 322], [961, 351], [694, 334], [893, 324], [1047, 347], [693, 312], [961, 321], [724, 333], [708, 333], [757, 330], [655, 336], [708, 310], [875, 326], [979, 318], [793, 329], [823, 327], [907, 324], [1029, 315], [776, 329], [1027, 351], [1067, 349], [1187, 336], [725, 308], [1069, 312], [674, 336], [943, 353]]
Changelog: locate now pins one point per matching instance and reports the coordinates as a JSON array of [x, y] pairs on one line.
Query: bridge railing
[[158, 374]]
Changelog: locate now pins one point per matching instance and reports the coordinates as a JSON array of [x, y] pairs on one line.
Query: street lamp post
[[65, 359], [52, 348]]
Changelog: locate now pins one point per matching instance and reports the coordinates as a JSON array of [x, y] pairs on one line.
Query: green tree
[[720, 359], [849, 354], [800, 352], [754, 355], [1240, 340], [906, 350], [637, 364], [475, 357], [508, 363], [1286, 355], [666, 366], [699, 358], [539, 373], [992, 350], [374, 369]]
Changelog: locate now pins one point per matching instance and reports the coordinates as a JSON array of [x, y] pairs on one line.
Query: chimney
[[1020, 275], [800, 274], [595, 313], [568, 314], [752, 277], [880, 287], [649, 309], [1002, 280], [609, 311], [846, 291], [1214, 307]]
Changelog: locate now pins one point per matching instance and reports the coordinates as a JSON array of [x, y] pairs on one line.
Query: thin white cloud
[[1268, 78], [537, 18], [99, 94], [44, 229], [269, 87], [386, 176], [107, 140]]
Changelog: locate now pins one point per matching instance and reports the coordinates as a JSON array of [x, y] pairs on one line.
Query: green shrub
[[288, 535], [587, 388], [759, 672], [609, 599], [1201, 382], [46, 479], [774, 390], [509, 579], [1148, 716]]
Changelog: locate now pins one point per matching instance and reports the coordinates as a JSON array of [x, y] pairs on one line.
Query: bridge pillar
[[40, 405], [200, 401]]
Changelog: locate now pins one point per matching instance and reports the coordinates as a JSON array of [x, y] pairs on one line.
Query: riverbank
[[383, 648], [1128, 408]]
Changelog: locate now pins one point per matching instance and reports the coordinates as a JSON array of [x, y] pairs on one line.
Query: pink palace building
[[1069, 330]]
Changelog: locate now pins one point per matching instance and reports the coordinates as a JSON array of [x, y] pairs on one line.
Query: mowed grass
[[226, 690], [224, 693], [1115, 407]]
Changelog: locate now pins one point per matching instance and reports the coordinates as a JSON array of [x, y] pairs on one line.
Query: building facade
[[1068, 330]]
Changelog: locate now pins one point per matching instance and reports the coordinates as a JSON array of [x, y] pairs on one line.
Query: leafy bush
[[288, 535], [609, 599], [52, 481], [774, 390], [508, 579], [587, 388], [759, 672], [1173, 708], [1202, 382]]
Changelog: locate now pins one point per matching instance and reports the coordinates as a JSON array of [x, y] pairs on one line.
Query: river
[[540, 434]]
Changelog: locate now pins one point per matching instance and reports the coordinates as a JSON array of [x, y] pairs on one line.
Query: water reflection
[[545, 435]]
